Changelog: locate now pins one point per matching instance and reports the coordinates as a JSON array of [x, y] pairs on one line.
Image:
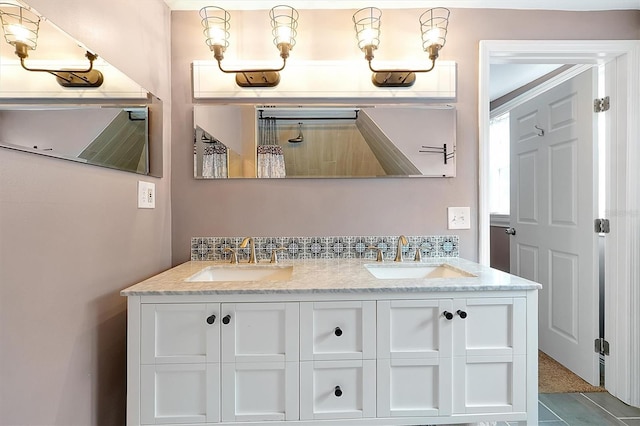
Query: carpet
[[555, 378]]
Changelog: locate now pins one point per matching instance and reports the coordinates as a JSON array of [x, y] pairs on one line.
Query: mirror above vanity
[[324, 141], [51, 105]]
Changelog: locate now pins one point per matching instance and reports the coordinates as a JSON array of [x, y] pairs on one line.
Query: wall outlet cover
[[146, 195], [459, 217]]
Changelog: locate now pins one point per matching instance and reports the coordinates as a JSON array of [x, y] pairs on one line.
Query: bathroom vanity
[[332, 341]]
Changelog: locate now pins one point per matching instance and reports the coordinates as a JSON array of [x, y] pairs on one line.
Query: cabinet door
[[260, 332], [489, 367], [337, 330], [180, 393], [414, 329], [414, 358], [260, 391], [180, 333], [337, 389]]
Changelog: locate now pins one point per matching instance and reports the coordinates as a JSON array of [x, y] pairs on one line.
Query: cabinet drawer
[[337, 330], [180, 333], [337, 389]]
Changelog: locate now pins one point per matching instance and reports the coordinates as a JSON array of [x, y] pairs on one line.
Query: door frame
[[622, 246]]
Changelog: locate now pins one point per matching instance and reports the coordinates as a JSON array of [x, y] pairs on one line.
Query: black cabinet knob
[[337, 391], [448, 315], [211, 319], [226, 319], [461, 313], [337, 331]]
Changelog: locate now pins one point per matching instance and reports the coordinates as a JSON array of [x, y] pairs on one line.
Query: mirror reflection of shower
[[328, 141]]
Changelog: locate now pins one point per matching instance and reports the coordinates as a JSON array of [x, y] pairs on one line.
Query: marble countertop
[[329, 276]]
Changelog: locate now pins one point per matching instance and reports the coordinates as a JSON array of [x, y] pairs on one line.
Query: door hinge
[[601, 104], [601, 346], [601, 226]]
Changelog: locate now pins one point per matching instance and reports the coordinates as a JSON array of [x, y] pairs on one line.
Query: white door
[[553, 205]]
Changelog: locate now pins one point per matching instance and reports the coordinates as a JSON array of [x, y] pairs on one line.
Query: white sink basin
[[242, 273], [397, 271]]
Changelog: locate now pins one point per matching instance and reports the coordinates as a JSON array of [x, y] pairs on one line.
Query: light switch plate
[[459, 217], [146, 195]]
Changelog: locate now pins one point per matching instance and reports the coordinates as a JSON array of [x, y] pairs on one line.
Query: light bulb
[[367, 36], [434, 36], [19, 32], [216, 35], [283, 34]]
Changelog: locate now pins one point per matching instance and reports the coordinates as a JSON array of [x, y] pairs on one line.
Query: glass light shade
[[284, 25], [215, 21], [433, 26], [366, 23], [19, 25]]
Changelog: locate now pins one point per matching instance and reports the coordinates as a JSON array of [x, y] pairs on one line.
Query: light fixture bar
[[433, 26], [284, 24], [69, 78], [21, 28]]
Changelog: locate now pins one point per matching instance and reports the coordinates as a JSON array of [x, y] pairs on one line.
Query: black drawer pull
[[211, 319], [448, 315], [337, 391], [462, 314], [337, 331], [226, 319]]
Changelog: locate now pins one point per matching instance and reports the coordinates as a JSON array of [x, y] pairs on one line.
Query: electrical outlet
[[146, 195], [459, 217]]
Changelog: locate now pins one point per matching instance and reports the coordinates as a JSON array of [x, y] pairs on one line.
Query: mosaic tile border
[[213, 248]]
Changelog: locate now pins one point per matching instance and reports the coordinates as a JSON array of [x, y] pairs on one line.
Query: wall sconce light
[[284, 23], [433, 25], [20, 26]]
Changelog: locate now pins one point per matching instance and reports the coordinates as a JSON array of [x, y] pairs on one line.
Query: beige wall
[[71, 237], [414, 206]]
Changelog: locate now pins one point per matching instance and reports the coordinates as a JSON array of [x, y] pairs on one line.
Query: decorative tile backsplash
[[213, 248]]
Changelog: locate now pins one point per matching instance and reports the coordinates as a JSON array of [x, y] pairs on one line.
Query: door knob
[[510, 231], [461, 313], [226, 319], [211, 319], [448, 315]]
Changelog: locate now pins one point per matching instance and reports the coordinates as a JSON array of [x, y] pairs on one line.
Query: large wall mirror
[[116, 125], [103, 135], [311, 141]]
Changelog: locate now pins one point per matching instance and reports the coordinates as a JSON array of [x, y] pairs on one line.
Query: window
[[499, 163]]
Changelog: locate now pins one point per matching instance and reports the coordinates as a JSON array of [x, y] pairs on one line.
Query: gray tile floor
[[584, 409]]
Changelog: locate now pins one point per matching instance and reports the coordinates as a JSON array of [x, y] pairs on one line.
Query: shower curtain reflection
[[214, 156], [270, 154]]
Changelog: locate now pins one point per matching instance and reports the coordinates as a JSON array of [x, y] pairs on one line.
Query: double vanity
[[332, 342]]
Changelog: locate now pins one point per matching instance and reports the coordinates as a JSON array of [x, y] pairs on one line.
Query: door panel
[[554, 195]]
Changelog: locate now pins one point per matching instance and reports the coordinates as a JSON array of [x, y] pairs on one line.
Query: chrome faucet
[[252, 248], [402, 240]]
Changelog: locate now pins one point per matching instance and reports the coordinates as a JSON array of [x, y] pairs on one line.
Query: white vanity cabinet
[[332, 345], [212, 362]]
